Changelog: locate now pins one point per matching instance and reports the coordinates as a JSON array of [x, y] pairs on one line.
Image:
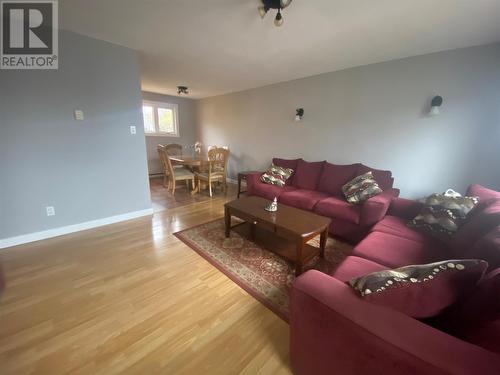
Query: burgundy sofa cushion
[[375, 208], [477, 318], [482, 192], [481, 220], [485, 335], [308, 174], [487, 248], [384, 178], [301, 198], [398, 227], [405, 208], [394, 251], [484, 304], [354, 266], [337, 208], [270, 191], [287, 163], [421, 291], [335, 176]]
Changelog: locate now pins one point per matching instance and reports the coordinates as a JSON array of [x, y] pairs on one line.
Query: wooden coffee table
[[289, 223]]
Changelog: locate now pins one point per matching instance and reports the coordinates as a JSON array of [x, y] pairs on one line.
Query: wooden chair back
[[162, 154], [166, 163], [218, 158], [174, 149]]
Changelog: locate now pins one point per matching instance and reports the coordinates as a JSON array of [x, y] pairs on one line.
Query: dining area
[[190, 168]]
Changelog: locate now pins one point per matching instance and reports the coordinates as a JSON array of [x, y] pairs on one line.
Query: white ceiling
[[220, 46]]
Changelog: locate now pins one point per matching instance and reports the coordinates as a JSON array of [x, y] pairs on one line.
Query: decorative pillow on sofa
[[421, 291], [443, 214], [287, 163], [361, 188], [276, 175]]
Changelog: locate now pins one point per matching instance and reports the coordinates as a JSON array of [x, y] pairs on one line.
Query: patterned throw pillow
[[442, 214], [361, 188], [422, 291], [276, 175]]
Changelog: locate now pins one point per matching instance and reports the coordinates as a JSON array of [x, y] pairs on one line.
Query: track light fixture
[[274, 4], [182, 90]]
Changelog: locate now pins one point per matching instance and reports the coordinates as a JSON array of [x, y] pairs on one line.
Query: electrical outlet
[[50, 210], [78, 114], [133, 130]]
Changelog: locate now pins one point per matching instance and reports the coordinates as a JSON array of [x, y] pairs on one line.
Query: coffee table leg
[[239, 185], [227, 221], [298, 261], [322, 242], [253, 226]]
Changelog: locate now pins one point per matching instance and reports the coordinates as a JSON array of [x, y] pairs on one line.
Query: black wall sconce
[[299, 113], [436, 102]]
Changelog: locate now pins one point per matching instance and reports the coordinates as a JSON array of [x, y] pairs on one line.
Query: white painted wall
[[375, 114], [90, 170]]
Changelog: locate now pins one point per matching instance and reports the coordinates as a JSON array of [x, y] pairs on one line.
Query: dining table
[[191, 161]]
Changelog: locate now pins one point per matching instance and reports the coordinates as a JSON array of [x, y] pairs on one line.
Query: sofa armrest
[[335, 331], [405, 208], [252, 179], [375, 208]]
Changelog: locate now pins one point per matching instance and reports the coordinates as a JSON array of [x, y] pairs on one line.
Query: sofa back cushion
[[384, 178], [335, 176], [308, 174], [487, 248], [481, 220], [476, 319], [482, 192], [288, 164]]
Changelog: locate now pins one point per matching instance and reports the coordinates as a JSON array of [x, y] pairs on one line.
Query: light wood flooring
[[132, 298]]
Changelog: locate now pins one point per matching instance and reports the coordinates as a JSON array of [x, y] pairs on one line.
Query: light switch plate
[[133, 130], [78, 114], [50, 211]]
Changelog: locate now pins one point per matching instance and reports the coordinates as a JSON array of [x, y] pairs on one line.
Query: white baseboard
[[37, 236]]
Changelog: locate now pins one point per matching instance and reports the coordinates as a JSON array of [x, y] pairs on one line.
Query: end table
[[243, 176]]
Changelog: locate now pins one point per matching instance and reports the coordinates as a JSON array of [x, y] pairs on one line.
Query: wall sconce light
[[299, 114], [436, 102]]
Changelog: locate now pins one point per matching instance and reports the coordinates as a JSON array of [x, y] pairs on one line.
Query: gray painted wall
[[375, 114], [87, 169], [187, 127]]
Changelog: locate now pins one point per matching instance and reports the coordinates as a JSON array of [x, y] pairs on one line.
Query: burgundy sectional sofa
[[317, 186], [334, 331]]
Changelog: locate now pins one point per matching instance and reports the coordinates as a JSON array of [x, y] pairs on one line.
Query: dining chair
[[179, 174], [217, 168], [171, 174], [174, 149], [162, 154]]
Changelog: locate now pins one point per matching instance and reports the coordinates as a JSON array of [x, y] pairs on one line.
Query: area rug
[[265, 275]]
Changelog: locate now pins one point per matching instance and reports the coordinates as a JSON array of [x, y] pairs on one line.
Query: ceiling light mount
[[274, 4], [182, 90]]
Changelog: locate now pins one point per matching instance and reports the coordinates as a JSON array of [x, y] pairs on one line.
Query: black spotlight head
[[182, 90], [436, 101]]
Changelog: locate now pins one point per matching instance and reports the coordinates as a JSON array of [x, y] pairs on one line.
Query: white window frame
[[156, 105]]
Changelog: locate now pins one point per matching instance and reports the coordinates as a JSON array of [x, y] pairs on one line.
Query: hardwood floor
[[132, 298]]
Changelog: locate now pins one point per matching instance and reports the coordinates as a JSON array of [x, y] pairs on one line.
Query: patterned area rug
[[262, 273]]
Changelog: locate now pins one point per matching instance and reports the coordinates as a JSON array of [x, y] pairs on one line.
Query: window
[[160, 119]]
